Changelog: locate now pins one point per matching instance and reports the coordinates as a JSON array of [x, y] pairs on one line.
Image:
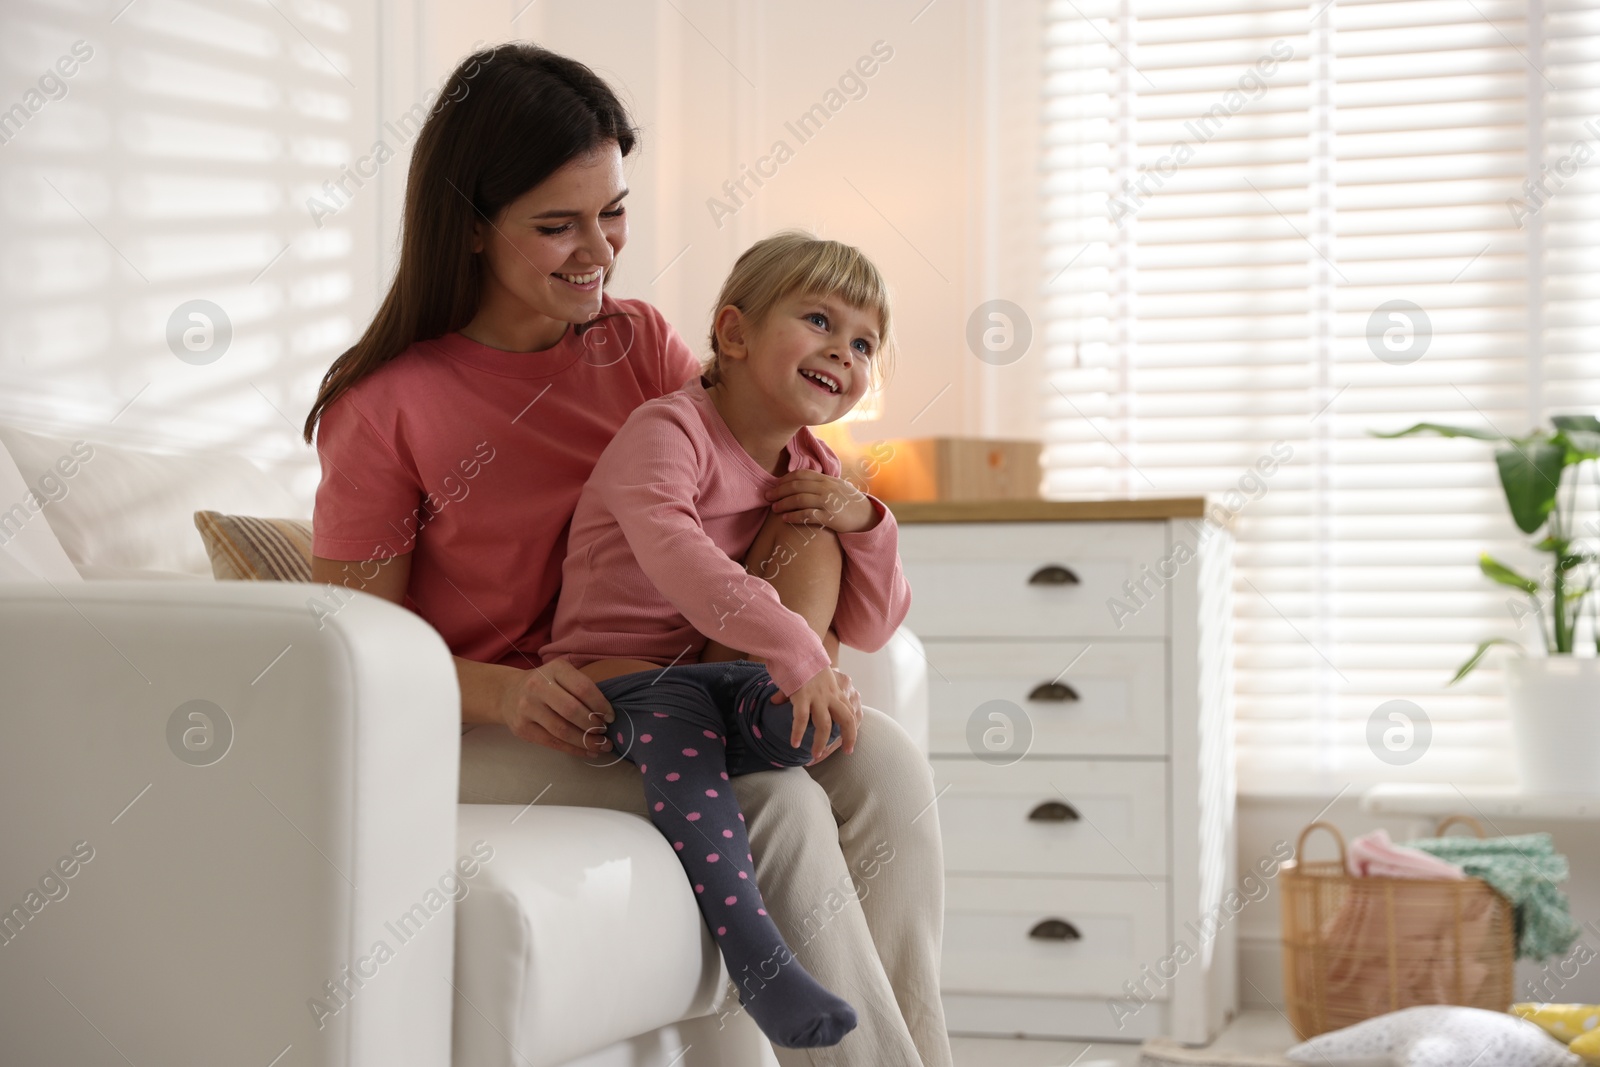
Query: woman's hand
[[812, 497], [557, 706], [826, 697]]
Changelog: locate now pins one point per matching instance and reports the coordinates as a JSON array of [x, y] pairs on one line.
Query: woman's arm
[[551, 705], [385, 578]]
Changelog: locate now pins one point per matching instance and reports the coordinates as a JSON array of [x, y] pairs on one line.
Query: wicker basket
[[1355, 948]]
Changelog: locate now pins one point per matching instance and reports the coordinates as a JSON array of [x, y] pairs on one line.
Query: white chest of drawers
[[1081, 739]]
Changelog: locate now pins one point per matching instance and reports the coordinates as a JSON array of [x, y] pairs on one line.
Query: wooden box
[[954, 469]]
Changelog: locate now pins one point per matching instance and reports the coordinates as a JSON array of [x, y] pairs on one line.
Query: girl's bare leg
[[804, 564], [601, 669]]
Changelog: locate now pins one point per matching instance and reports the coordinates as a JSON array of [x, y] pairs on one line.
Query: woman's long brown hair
[[507, 119]]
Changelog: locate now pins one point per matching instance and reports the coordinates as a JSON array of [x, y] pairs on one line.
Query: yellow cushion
[[1576, 1024], [244, 548]]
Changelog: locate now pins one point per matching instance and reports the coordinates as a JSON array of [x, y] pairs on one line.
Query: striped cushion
[[243, 548]]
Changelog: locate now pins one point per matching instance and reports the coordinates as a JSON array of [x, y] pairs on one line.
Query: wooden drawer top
[[1180, 507]]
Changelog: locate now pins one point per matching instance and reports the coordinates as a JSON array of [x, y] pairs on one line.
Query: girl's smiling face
[[810, 358], [546, 256]]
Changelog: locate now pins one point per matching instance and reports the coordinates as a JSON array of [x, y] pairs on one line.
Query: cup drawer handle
[[1054, 811], [1053, 574], [1053, 693], [1055, 930]]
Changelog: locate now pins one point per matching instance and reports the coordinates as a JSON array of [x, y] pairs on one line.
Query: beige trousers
[[848, 857]]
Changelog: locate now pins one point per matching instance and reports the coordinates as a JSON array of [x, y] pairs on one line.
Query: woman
[[454, 438]]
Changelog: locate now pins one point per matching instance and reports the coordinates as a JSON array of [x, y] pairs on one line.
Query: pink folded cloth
[[1375, 856]]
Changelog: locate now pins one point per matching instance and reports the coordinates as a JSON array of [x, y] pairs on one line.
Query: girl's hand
[[813, 497], [560, 707], [855, 706], [823, 700]]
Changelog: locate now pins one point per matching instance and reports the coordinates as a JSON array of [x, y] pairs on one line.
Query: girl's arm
[[874, 595], [648, 480]]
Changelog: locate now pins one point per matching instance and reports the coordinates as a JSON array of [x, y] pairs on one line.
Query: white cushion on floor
[[582, 930], [1438, 1035]]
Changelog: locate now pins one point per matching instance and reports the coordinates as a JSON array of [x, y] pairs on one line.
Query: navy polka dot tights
[[689, 727]]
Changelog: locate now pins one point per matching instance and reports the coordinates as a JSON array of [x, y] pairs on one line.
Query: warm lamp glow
[[837, 435], [870, 408]]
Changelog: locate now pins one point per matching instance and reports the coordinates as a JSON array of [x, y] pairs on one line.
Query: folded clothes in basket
[[1524, 869], [1375, 856], [1394, 948], [1357, 947]]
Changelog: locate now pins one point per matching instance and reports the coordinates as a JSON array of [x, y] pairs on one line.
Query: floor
[[1252, 1031]]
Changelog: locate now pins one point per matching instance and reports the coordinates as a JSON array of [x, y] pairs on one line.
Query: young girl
[[675, 499]]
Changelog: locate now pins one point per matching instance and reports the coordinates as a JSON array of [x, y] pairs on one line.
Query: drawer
[[1051, 936], [1106, 699], [1034, 579], [1054, 817], [1088, 1019]]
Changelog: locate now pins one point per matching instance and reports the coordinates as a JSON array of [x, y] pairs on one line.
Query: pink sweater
[[652, 565]]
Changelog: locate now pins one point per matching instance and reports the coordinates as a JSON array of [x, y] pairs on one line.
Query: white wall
[[930, 169]]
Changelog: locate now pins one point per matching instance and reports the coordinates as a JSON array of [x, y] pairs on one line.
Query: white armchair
[[257, 807]]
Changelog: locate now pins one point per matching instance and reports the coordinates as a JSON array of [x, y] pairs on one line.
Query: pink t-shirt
[[472, 459], [652, 563]]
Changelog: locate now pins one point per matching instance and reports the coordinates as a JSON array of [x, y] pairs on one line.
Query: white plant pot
[[1555, 721]]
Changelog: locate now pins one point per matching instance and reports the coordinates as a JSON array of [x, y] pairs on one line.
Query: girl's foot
[[792, 1009]]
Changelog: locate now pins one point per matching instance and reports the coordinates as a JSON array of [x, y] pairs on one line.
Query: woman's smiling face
[[546, 256]]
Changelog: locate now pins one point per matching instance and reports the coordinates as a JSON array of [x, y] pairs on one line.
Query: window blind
[[162, 153], [1274, 227]]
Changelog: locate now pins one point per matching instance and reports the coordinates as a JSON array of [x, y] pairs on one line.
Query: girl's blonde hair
[[795, 261]]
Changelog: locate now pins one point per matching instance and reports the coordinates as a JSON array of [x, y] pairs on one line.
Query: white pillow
[[29, 550], [124, 509], [1437, 1036]]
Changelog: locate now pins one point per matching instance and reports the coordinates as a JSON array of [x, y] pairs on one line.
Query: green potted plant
[[1554, 698]]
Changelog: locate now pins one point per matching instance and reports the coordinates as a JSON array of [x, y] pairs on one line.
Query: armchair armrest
[[257, 807], [894, 680]]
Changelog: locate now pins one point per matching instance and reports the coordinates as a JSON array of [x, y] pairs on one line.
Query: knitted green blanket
[[1524, 869]]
